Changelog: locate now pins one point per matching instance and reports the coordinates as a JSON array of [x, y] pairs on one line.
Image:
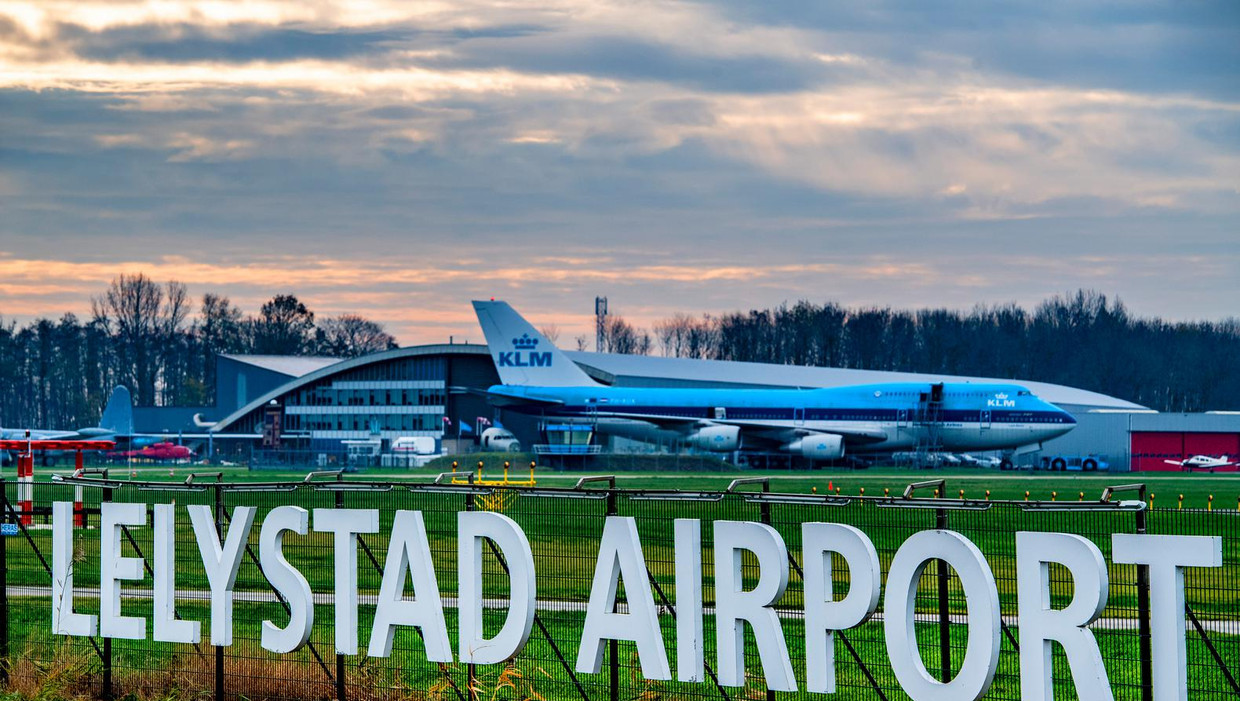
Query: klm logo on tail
[[524, 355]]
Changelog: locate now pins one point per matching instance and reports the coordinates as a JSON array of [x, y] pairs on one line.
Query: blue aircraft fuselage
[[971, 416]]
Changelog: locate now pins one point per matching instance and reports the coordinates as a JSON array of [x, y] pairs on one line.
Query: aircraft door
[[984, 419], [798, 416], [901, 418]]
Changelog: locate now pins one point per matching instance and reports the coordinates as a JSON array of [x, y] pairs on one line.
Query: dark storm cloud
[[1145, 46], [676, 156], [183, 42], [628, 58]]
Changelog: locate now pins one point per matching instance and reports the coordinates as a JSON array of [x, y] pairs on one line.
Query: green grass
[[251, 670], [564, 536], [1063, 486]]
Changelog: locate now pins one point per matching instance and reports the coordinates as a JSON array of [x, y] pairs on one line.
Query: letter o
[[981, 658]]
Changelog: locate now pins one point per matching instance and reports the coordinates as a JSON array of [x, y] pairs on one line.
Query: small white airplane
[[1202, 462]]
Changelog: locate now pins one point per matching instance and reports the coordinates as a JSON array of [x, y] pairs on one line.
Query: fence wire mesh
[[564, 527]]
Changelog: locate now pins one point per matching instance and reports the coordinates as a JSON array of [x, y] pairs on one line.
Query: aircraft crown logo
[[525, 342], [1000, 401], [528, 359]]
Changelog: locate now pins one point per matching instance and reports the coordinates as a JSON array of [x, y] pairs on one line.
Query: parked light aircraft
[[1202, 462], [115, 424], [117, 420], [820, 424]]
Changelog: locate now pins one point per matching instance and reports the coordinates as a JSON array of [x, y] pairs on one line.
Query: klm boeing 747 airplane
[[819, 424]]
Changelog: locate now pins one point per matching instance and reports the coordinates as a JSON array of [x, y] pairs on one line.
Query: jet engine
[[717, 439], [818, 446]]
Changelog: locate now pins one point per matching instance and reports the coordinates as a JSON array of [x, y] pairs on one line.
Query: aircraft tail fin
[[118, 414], [522, 355]]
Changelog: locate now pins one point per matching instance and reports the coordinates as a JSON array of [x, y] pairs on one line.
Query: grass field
[[1165, 487], [564, 536]]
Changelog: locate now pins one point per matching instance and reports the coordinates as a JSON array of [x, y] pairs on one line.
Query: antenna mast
[[600, 323]]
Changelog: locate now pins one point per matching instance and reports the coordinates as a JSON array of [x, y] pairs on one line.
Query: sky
[[397, 159]]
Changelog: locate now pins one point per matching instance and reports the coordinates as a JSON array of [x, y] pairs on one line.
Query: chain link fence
[[564, 528]]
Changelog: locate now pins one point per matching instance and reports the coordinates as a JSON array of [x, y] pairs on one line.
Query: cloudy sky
[[398, 158]]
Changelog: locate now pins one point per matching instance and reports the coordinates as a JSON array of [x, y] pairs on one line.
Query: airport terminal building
[[325, 406]]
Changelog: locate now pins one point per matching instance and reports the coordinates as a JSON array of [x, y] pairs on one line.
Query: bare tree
[[351, 335], [131, 309], [619, 336], [551, 331]]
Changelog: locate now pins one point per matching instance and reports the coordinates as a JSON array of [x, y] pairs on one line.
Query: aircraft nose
[[1064, 422]]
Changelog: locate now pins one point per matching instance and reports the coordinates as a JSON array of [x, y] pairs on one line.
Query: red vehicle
[[164, 451]]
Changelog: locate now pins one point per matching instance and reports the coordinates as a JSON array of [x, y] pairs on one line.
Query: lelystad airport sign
[[739, 602]]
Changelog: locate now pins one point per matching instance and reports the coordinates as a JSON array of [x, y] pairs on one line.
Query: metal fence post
[[4, 596], [340, 691], [1143, 618], [945, 621], [105, 496], [613, 647], [219, 649], [471, 672]]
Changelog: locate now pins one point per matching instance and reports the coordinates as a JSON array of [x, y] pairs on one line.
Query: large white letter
[[473, 528], [823, 614], [690, 639], [620, 555], [346, 524], [734, 606], [167, 628], [113, 568], [981, 656], [409, 554], [221, 562], [64, 620], [1040, 624], [290, 584], [1167, 556]]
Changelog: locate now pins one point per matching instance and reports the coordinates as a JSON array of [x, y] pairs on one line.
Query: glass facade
[[389, 399]]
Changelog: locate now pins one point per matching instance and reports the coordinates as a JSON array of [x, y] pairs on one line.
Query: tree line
[[1083, 339], [150, 337], [153, 339]]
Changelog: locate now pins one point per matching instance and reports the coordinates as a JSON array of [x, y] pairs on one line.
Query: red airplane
[[159, 451]]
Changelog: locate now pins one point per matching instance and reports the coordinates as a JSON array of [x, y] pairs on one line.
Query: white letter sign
[[824, 615], [1040, 625], [409, 555], [64, 620], [1167, 556], [221, 562], [981, 657], [734, 606], [474, 528], [690, 639], [290, 584], [113, 568], [620, 555], [346, 524], [167, 628]]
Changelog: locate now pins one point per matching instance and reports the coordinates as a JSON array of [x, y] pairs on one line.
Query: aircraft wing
[[39, 435], [501, 398], [763, 429], [1179, 463]]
